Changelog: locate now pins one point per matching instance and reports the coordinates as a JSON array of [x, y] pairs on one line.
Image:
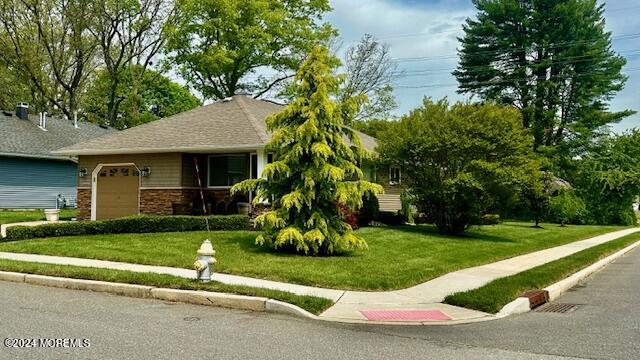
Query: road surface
[[606, 325]]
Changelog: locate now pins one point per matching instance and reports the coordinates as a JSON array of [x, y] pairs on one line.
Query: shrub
[[391, 218], [567, 208], [407, 207], [370, 210], [460, 161], [134, 224]]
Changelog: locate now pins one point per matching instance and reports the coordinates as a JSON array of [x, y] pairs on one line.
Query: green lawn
[[496, 294], [312, 304], [398, 257], [15, 216]]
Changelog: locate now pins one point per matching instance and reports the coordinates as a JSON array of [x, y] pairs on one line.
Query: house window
[[394, 175], [227, 170]]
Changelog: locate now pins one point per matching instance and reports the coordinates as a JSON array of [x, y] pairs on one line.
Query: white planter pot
[[52, 214]]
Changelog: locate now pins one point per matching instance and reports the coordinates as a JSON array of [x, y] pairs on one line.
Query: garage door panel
[[117, 192]]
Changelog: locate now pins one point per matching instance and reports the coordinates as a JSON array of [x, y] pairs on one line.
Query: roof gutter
[[37, 156], [124, 151]]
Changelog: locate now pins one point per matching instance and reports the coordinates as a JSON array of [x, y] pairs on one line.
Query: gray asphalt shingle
[[24, 138]]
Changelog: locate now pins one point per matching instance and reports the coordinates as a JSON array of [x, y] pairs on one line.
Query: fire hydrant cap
[[206, 249]]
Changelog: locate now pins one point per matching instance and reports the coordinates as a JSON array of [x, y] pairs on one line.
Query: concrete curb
[[521, 305], [208, 298]]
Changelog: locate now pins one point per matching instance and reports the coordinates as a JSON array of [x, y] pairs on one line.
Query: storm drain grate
[[557, 308]]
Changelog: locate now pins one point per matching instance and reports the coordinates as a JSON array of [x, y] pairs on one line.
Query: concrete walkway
[[349, 305]]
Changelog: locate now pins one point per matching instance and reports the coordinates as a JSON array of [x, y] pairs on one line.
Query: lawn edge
[[195, 297], [521, 304]]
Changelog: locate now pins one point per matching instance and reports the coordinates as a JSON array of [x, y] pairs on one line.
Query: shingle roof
[[236, 124], [23, 138]]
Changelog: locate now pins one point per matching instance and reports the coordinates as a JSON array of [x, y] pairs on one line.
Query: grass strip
[[493, 296], [312, 304]]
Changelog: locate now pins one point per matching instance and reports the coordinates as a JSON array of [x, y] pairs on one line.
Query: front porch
[[214, 174]]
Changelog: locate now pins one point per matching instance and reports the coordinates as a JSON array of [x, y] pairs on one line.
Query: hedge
[[134, 224]]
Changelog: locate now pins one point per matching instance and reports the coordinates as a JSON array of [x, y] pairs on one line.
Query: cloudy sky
[[428, 29]]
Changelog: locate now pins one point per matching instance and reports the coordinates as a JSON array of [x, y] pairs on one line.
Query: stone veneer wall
[[168, 202], [83, 204]]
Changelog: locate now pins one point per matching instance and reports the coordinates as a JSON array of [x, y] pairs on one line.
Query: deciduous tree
[[219, 45], [459, 160]]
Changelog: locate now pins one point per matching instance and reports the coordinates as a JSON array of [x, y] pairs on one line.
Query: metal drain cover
[[561, 308]]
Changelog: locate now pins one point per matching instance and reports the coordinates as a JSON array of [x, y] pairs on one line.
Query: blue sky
[[428, 29]]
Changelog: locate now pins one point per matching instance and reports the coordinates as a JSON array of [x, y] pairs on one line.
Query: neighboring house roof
[[24, 138], [234, 124]]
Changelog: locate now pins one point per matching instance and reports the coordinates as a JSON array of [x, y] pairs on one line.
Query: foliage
[[371, 127], [218, 45], [459, 160], [535, 193], [370, 71], [496, 294], [312, 304], [133, 224], [130, 34], [13, 89], [553, 60], [407, 209], [369, 211], [608, 179], [156, 97], [48, 43], [314, 167], [567, 208]]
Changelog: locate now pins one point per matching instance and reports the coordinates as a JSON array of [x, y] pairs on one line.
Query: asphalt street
[[605, 325]]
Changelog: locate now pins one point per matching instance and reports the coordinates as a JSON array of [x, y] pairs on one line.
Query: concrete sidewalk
[[350, 305]]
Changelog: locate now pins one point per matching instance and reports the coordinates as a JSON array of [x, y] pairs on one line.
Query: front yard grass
[[496, 294], [16, 216], [398, 257], [312, 304]]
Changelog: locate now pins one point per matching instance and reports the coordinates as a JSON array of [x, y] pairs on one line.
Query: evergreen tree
[[552, 59], [315, 176]]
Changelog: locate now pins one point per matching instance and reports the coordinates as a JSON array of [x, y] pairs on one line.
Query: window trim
[[222, 187], [391, 168]]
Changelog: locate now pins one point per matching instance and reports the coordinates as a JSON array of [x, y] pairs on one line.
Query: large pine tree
[[552, 59], [315, 176]]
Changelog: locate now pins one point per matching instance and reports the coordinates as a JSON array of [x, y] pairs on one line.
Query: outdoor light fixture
[[146, 171], [82, 172]]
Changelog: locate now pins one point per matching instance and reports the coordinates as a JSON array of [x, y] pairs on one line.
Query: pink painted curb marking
[[405, 315]]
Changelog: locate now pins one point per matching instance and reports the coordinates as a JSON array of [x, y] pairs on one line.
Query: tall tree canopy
[[315, 173], [128, 32], [552, 59], [48, 43], [369, 70], [459, 161], [219, 45], [156, 97]]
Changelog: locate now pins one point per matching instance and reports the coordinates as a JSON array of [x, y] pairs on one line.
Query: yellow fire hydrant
[[204, 261]]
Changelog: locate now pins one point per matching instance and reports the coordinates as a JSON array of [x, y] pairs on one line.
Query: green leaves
[[551, 59], [314, 171], [459, 160], [219, 44]]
